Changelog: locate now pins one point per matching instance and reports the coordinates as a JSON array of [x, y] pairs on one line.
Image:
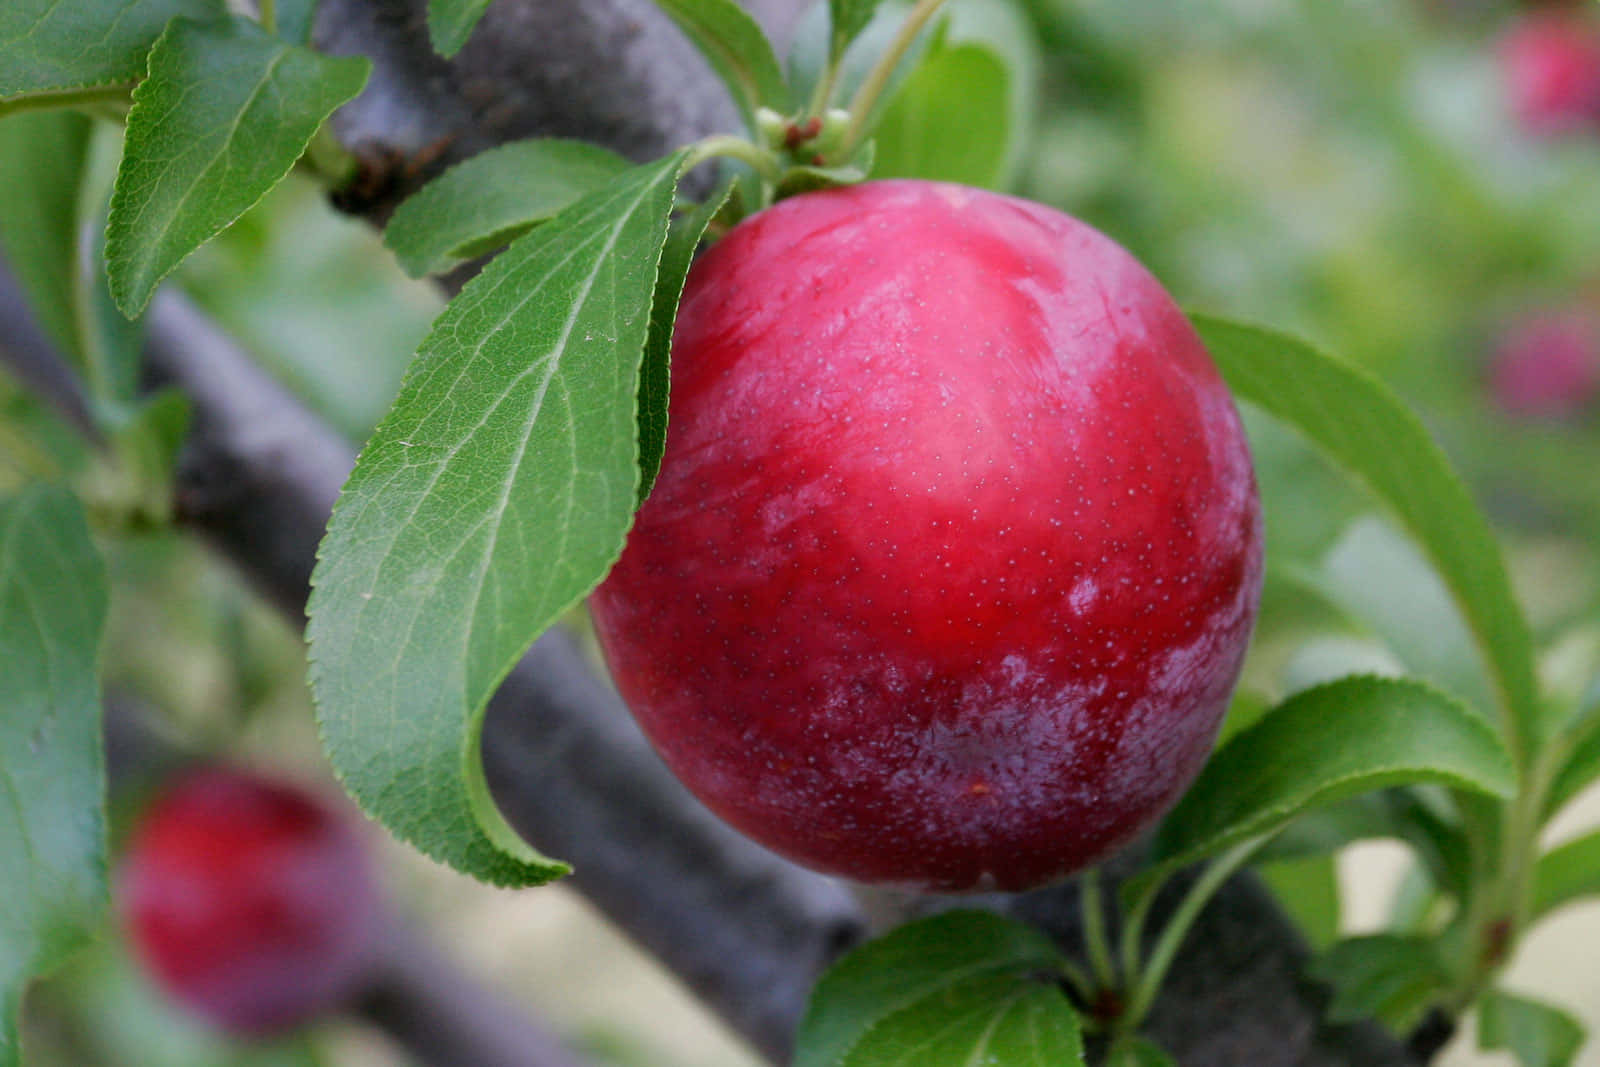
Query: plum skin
[[248, 901], [955, 548]]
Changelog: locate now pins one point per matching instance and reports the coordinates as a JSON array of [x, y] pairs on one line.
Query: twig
[[422, 1001]]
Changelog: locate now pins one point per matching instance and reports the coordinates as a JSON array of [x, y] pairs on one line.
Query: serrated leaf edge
[[1049, 956], [441, 264], [118, 207], [489, 821], [1516, 688], [1380, 779]]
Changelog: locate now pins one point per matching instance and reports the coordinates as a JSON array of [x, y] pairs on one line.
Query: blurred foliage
[[101, 1012], [315, 297], [1350, 172]]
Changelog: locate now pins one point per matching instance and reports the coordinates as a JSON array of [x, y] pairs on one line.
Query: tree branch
[[616, 72], [444, 1019]]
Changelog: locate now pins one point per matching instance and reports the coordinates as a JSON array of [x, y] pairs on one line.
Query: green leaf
[[35, 438], [846, 20], [1329, 828], [222, 117], [1006, 1020], [1308, 889], [1138, 1052], [1403, 813], [812, 42], [654, 371], [1006, 32], [1536, 1033], [737, 50], [950, 121], [1360, 424], [1377, 575], [116, 1015], [56, 174], [42, 160], [1245, 709], [451, 22], [492, 498], [892, 988], [55, 184], [1413, 901], [1326, 744], [49, 45], [145, 438], [1580, 765], [496, 196], [1566, 873], [111, 345], [296, 19], [805, 178], [1435, 833], [52, 822], [1385, 976]]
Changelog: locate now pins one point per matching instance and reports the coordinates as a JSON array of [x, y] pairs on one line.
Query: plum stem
[[728, 146], [1150, 977], [1094, 929], [1133, 928]]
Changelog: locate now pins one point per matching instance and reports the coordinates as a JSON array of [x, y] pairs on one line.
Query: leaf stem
[[763, 161], [1519, 844], [1155, 969], [1092, 902], [108, 396], [1496, 910], [268, 12], [877, 80], [1079, 980]]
